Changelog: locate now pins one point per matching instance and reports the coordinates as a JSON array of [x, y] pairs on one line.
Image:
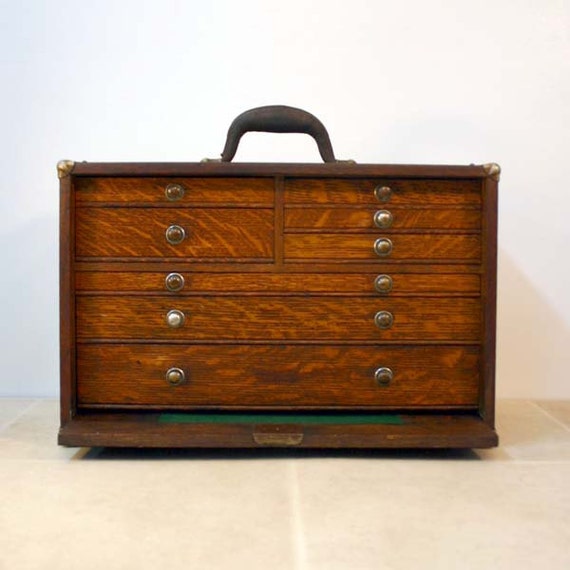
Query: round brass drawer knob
[[175, 319], [174, 282], [383, 284], [383, 319], [175, 376], [383, 193], [383, 219], [174, 192], [383, 376], [383, 247], [175, 234]]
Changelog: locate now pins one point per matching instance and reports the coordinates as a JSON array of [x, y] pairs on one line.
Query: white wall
[[407, 81]]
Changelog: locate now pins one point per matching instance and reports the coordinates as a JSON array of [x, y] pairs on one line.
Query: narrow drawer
[[189, 283], [202, 233], [386, 218], [182, 191], [363, 191], [451, 248], [277, 375], [260, 318]]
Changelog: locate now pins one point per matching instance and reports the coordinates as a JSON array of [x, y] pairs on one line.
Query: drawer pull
[[277, 439], [174, 192], [174, 282], [383, 376], [383, 219], [175, 376], [383, 319], [383, 193], [383, 247], [175, 234], [175, 319], [383, 283]]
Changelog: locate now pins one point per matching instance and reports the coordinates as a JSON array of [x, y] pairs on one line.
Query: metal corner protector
[[493, 170], [64, 168]]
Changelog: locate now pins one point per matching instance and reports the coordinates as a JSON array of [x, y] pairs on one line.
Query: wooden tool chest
[[220, 304]]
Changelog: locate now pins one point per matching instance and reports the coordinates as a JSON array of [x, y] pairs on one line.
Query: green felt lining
[[313, 419]]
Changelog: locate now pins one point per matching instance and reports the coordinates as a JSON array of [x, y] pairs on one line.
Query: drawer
[[387, 218], [451, 248], [277, 375], [409, 192], [263, 318], [182, 191], [393, 284], [209, 233]]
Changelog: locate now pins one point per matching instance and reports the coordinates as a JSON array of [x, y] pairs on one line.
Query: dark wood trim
[[67, 301], [143, 430], [339, 169], [489, 299], [397, 342], [137, 265], [279, 221]]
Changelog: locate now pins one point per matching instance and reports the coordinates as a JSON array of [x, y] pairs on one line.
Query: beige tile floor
[[69, 508]]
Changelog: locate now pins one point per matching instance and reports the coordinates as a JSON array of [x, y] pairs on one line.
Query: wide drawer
[[358, 218], [413, 192], [192, 283], [182, 191], [277, 375], [209, 233], [278, 318], [450, 248]]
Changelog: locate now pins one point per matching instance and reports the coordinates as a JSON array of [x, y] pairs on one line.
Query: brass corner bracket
[[493, 170], [64, 168]]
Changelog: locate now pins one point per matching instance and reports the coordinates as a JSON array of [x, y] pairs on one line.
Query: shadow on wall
[[29, 327], [533, 339]]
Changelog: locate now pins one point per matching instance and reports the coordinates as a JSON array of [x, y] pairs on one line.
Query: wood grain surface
[[278, 318], [201, 191], [362, 218], [406, 247], [411, 192], [140, 232], [426, 284], [278, 375]]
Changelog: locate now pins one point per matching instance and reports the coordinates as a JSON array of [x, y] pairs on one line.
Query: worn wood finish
[[277, 318], [321, 376], [298, 170], [435, 431], [279, 298], [210, 233], [489, 301], [406, 247], [235, 192], [66, 301], [350, 219], [424, 284], [249, 266], [360, 191]]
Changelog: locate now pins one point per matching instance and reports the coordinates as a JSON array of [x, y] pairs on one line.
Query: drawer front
[[209, 233], [350, 219], [278, 318], [300, 283], [448, 248], [362, 191], [272, 376], [182, 191]]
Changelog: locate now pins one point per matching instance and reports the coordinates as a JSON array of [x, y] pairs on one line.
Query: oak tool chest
[[222, 304]]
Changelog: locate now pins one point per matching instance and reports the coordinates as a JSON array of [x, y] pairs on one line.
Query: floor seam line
[[299, 544], [11, 422], [550, 416]]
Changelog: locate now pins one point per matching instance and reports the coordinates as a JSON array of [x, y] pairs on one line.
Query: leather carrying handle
[[278, 119]]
